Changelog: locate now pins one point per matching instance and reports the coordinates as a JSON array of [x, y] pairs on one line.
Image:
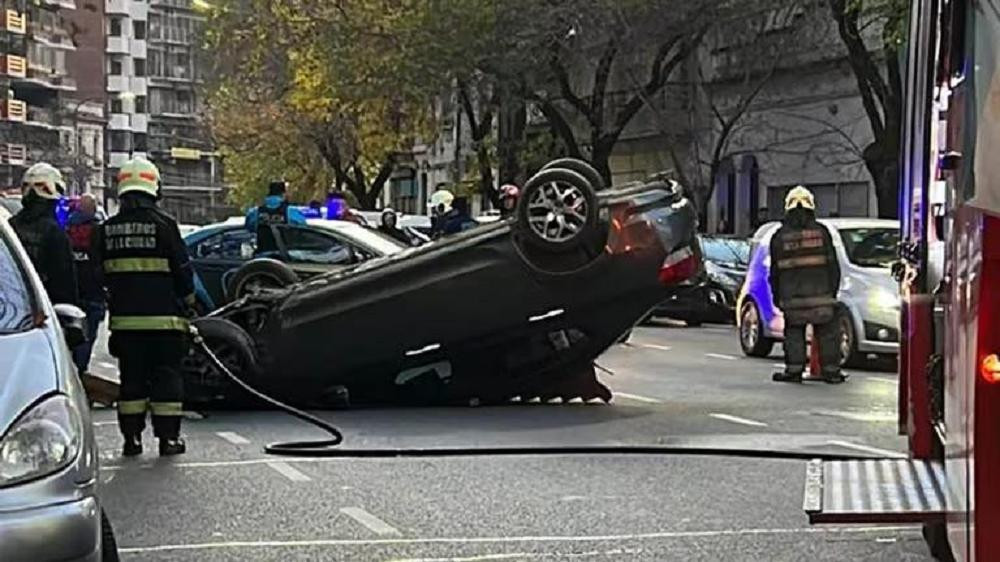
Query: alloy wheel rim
[[750, 327], [557, 211]]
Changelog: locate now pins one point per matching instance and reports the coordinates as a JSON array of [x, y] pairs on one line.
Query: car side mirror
[[73, 322]]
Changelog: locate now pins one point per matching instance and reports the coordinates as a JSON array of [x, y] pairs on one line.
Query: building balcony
[[119, 122], [140, 122], [13, 154], [118, 84], [117, 45], [13, 110], [117, 159], [119, 7], [137, 85], [137, 48], [66, 4], [14, 66], [15, 22], [47, 78], [54, 38], [139, 11], [42, 117]]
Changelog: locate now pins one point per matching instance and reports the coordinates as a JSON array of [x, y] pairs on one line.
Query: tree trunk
[[512, 125], [880, 160], [599, 158]]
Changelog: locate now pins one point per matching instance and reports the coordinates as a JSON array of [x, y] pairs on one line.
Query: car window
[[871, 247], [15, 296], [227, 245], [726, 250], [308, 246]]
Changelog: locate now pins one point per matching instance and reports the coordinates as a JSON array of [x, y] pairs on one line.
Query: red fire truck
[[949, 276]]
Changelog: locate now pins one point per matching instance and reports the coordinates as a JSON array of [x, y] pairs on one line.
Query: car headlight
[[42, 441], [880, 298]]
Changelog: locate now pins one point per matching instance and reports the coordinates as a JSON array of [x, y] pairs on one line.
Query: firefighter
[[449, 215], [151, 289], [804, 278], [274, 211], [509, 194], [36, 226]]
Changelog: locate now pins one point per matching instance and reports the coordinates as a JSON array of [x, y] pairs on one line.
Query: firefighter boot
[[133, 445], [131, 426], [785, 376], [173, 446]]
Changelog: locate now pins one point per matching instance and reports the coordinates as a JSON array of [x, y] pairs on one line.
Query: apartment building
[[35, 87], [126, 28]]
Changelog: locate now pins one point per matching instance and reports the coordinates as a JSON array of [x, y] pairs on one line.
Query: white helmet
[[441, 201], [44, 180], [799, 196], [139, 174]]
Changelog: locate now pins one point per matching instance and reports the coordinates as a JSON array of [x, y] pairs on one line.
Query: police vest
[[802, 259], [136, 251], [266, 217]]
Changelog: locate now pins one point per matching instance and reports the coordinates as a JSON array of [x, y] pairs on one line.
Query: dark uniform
[[150, 285], [266, 217], [48, 247], [805, 277]]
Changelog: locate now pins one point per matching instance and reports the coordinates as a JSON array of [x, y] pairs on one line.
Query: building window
[[116, 105], [184, 102], [139, 142], [139, 29], [115, 27], [140, 104], [116, 67], [120, 141], [140, 66]]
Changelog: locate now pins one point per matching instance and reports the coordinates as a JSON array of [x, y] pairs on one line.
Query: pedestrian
[[82, 231], [275, 210], [387, 226], [150, 291], [46, 243], [805, 278], [509, 194]]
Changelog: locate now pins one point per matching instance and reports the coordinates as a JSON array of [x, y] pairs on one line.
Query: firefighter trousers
[[151, 379], [825, 334]]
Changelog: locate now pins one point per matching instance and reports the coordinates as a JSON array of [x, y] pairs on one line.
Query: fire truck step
[[875, 491]]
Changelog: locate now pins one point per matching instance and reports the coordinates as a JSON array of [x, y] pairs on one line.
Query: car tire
[[109, 546], [581, 167], [203, 384], [847, 340], [257, 274], [544, 200], [751, 333]]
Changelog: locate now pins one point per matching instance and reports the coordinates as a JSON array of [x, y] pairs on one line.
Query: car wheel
[[558, 210], [848, 343], [203, 383], [752, 338], [109, 546], [579, 166], [258, 275]]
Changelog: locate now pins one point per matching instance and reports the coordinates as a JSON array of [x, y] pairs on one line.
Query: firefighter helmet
[[799, 196], [139, 174], [44, 180], [441, 201]]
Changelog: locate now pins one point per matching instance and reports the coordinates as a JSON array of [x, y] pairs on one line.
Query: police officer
[[150, 285], [36, 226], [274, 211], [805, 277], [448, 214], [387, 225]]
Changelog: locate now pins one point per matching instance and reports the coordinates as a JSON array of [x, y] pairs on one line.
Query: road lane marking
[[858, 416], [307, 543], [737, 419], [867, 449], [722, 356], [778, 365], [288, 471], [884, 379], [654, 346], [103, 423], [618, 552], [374, 524], [637, 397], [233, 437]]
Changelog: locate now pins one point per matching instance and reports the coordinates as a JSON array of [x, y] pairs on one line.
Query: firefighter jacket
[[48, 247], [804, 273], [146, 269]]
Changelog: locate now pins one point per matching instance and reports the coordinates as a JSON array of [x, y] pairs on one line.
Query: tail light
[[678, 266], [990, 368]]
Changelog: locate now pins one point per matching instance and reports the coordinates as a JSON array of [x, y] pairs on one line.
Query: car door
[[217, 255], [310, 251]]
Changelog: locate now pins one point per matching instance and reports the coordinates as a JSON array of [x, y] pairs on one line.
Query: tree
[[872, 31]]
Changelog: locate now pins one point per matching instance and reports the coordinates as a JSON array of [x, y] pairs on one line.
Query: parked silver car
[[49, 508], [869, 297]]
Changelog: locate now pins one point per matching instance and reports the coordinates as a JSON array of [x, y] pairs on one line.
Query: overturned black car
[[517, 309]]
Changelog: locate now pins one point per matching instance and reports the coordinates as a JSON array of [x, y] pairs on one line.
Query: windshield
[[373, 239], [733, 251], [871, 247], [16, 309]]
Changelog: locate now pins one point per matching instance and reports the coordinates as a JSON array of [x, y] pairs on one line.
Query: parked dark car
[[519, 308], [711, 296], [218, 251]]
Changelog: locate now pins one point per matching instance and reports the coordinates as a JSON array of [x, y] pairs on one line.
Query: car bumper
[[67, 531]]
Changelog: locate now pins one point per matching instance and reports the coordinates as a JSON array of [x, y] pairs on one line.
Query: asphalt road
[[675, 386]]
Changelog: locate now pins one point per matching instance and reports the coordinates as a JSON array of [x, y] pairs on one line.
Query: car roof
[[861, 222]]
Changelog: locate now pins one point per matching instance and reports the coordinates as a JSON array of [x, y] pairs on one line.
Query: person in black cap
[[274, 211]]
